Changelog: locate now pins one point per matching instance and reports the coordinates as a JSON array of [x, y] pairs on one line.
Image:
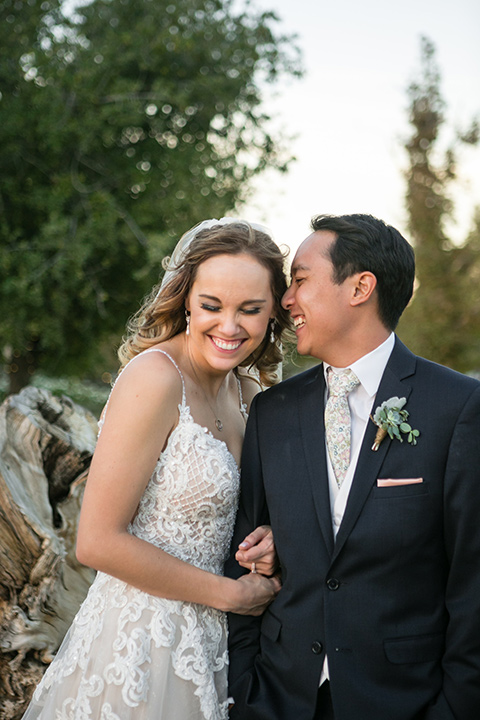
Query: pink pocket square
[[390, 482]]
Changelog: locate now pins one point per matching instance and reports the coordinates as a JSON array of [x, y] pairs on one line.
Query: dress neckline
[[185, 407], [186, 414], [242, 405]]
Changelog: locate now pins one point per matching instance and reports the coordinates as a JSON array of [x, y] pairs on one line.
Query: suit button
[[333, 584], [317, 647]]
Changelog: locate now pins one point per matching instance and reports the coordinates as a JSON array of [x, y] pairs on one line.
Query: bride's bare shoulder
[[153, 375]]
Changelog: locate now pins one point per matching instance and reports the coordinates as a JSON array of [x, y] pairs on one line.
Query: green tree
[[123, 123], [443, 319]]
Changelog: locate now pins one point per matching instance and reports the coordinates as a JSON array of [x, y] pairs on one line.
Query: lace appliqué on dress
[[131, 655]]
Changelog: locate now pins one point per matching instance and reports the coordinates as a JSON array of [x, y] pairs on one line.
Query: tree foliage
[[443, 321], [123, 123]]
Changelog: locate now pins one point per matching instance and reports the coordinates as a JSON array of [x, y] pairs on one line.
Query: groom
[[379, 549]]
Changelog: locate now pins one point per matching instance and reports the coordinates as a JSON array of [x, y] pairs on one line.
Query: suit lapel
[[311, 407], [394, 383]]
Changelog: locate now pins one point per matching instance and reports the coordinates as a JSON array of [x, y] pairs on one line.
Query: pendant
[[218, 424]]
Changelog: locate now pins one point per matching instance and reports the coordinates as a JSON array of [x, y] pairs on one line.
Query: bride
[[149, 641]]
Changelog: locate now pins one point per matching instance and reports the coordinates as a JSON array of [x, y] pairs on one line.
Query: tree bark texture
[[46, 444]]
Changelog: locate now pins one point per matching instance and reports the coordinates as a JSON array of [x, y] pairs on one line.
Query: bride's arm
[[142, 412]]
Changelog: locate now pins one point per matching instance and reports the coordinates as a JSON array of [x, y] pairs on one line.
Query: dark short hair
[[365, 243]]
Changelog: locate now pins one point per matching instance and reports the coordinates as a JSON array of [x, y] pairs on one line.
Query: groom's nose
[[288, 298]]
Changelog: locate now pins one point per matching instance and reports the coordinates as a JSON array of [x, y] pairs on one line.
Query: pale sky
[[349, 112]]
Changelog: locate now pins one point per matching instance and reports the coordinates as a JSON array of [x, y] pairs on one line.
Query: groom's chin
[[303, 350]]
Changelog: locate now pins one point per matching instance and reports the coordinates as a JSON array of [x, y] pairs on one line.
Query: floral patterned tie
[[338, 421]]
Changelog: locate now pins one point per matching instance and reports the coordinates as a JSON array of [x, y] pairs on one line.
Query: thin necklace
[[218, 422]]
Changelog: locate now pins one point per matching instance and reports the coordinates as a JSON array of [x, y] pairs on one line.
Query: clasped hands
[[257, 552]]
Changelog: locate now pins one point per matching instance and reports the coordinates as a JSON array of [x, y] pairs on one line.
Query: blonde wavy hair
[[162, 315]]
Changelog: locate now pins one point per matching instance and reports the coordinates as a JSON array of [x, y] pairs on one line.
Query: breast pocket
[[400, 491], [399, 519]]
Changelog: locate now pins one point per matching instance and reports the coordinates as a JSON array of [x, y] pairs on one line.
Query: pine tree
[[442, 321]]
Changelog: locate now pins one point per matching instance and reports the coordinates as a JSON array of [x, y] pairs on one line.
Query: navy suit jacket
[[395, 600]]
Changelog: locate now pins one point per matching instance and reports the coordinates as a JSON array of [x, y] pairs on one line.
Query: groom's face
[[320, 308]]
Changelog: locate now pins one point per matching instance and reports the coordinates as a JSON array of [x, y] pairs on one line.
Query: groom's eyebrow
[[296, 268]]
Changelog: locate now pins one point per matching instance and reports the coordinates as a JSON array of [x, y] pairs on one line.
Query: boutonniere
[[392, 420]]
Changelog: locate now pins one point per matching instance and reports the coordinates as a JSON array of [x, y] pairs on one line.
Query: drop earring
[[187, 318], [272, 328]]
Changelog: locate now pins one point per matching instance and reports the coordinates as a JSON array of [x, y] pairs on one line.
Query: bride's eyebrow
[[246, 302], [210, 297]]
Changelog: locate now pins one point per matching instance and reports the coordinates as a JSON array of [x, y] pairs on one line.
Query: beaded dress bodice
[[189, 506]]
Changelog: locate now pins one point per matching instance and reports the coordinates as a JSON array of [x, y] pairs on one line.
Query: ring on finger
[[253, 568]]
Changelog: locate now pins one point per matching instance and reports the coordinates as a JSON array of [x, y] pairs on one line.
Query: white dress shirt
[[369, 370]]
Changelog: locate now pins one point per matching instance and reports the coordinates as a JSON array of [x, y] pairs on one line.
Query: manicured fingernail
[[243, 545]]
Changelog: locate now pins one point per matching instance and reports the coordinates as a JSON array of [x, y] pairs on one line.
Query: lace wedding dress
[[129, 655]]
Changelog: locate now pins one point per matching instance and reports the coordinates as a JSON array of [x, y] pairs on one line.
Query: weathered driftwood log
[[46, 444]]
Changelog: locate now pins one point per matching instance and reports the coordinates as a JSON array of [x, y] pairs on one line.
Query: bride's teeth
[[299, 322], [223, 345]]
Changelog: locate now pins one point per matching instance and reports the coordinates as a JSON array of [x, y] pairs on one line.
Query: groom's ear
[[363, 286]]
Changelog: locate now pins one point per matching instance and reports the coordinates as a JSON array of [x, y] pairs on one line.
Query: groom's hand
[[257, 551]]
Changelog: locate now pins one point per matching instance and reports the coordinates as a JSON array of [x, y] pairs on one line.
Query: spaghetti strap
[[144, 352], [243, 405], [184, 396]]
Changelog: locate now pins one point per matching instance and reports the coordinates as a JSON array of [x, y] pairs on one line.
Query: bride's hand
[[253, 593], [257, 551]]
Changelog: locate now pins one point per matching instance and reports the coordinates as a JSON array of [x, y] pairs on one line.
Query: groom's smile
[[316, 303]]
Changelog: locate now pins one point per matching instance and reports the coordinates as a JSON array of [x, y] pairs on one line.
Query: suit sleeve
[[460, 696], [244, 630]]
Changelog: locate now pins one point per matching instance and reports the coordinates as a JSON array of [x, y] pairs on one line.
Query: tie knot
[[341, 383]]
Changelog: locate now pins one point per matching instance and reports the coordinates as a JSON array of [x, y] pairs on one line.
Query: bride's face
[[230, 306]]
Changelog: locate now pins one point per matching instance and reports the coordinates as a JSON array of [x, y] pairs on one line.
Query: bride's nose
[[229, 324]]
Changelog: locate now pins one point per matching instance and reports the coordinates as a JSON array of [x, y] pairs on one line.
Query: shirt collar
[[370, 368]]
